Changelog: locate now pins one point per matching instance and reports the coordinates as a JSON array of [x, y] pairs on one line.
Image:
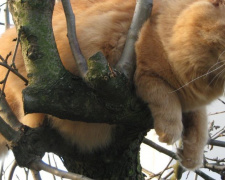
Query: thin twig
[[211, 114], [2, 4], [40, 165], [71, 33], [12, 67], [126, 63], [221, 101], [26, 172], [49, 162], [2, 167], [165, 168], [168, 175], [53, 156], [147, 172], [14, 71], [218, 134], [36, 175], [12, 170], [9, 165]]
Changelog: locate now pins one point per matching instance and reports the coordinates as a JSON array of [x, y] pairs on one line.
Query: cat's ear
[[217, 2]]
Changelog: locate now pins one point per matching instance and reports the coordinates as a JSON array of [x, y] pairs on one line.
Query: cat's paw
[[169, 132], [190, 160]]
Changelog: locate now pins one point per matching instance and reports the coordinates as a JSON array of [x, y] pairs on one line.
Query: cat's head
[[198, 36]]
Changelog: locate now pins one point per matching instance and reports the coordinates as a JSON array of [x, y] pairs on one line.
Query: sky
[[150, 158]]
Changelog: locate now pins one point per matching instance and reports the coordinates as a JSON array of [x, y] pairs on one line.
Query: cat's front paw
[[169, 131], [191, 160]]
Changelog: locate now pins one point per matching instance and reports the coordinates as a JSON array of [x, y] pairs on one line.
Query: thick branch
[[33, 20], [49, 81], [104, 93]]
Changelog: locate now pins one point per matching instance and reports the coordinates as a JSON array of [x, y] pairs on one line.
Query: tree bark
[[53, 90]]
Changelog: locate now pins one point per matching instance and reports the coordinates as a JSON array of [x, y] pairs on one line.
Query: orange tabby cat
[[171, 52], [180, 70]]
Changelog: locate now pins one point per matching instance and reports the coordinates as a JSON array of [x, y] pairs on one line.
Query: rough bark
[[106, 98]]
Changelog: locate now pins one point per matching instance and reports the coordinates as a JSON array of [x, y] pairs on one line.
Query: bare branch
[[215, 167], [7, 19], [168, 175], [2, 4], [40, 165], [221, 101], [71, 33], [160, 148], [11, 67], [36, 175], [203, 175], [165, 168], [7, 114], [216, 143], [12, 170], [49, 162], [9, 133], [14, 71], [216, 113], [126, 63]]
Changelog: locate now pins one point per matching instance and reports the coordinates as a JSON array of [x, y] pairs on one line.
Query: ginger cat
[[180, 55], [180, 42]]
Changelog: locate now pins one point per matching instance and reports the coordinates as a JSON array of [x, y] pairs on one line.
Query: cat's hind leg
[[194, 138]]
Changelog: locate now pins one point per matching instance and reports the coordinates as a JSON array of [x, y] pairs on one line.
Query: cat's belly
[[86, 137]]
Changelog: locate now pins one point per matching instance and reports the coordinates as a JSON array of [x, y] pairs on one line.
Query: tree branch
[[214, 142], [48, 83], [203, 175], [71, 33], [7, 114], [12, 170], [160, 148], [39, 165], [7, 131], [127, 61], [36, 175]]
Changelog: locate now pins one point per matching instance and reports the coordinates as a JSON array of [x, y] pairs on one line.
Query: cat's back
[[101, 25]]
